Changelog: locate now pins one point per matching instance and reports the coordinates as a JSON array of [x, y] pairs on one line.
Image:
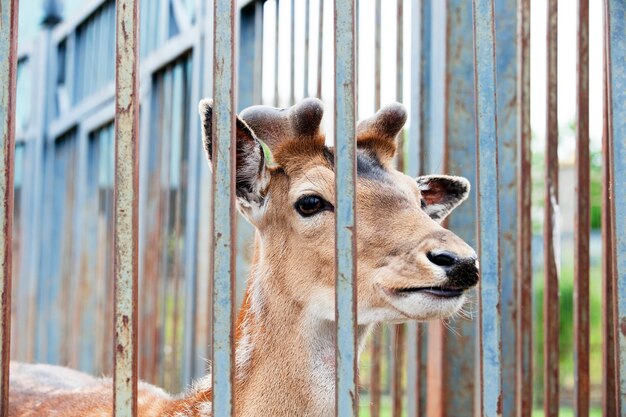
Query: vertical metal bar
[[506, 53], [397, 390], [424, 63], [224, 232], [8, 76], [551, 274], [420, 119], [416, 370], [524, 388], [398, 341], [345, 239], [307, 25], [377, 334], [582, 220], [452, 356], [126, 198], [490, 397], [374, 391], [292, 48], [276, 49], [616, 78], [377, 56], [399, 50], [320, 49], [609, 379]]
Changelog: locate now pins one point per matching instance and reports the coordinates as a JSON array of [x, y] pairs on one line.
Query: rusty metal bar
[[455, 354], [609, 379], [397, 391], [490, 397], [292, 48], [8, 78], [615, 19], [276, 49], [420, 109], [582, 219], [523, 385], [307, 26], [376, 353], [345, 239], [506, 53], [551, 235], [398, 335], [223, 220], [377, 334], [377, 28], [320, 49], [125, 201]]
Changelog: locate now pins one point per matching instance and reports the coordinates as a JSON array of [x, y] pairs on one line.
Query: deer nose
[[462, 271]]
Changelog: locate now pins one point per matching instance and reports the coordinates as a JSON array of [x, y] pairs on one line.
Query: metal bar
[[524, 325], [224, 226], [398, 341], [582, 219], [397, 390], [609, 378], [307, 25], [551, 274], [276, 49], [420, 124], [8, 79], [490, 398], [320, 49], [425, 61], [400, 162], [292, 48], [376, 353], [399, 50], [453, 355], [416, 370], [506, 21], [377, 29], [346, 395], [126, 198], [616, 79], [377, 334]]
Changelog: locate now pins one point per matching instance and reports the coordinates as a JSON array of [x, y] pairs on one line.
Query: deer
[[409, 267]]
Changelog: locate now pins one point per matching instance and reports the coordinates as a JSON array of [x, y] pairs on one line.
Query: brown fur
[[285, 330]]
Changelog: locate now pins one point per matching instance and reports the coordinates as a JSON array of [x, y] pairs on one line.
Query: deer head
[[408, 265]]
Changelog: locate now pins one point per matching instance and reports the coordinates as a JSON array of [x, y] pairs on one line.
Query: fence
[[85, 209]]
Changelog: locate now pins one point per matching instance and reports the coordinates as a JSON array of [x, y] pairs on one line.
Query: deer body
[[409, 268]]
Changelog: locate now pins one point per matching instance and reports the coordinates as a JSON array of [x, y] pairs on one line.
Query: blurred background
[[62, 291]]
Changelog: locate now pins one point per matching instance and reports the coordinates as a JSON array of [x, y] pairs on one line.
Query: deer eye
[[311, 204]]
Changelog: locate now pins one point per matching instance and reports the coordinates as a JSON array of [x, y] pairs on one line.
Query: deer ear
[[378, 133], [442, 193], [252, 176]]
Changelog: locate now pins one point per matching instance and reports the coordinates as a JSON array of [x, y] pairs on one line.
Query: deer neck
[[285, 354]]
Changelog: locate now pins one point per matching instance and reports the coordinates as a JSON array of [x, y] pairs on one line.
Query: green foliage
[[566, 330], [595, 190]]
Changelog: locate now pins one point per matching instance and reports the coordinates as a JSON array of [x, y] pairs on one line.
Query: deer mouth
[[439, 292]]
